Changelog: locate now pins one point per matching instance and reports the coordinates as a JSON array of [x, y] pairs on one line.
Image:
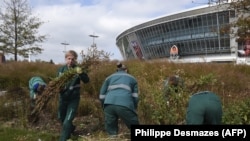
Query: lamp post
[[93, 45], [65, 44], [93, 36]]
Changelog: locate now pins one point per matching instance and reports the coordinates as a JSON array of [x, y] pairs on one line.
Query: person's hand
[[40, 89], [51, 83], [35, 95], [79, 70]]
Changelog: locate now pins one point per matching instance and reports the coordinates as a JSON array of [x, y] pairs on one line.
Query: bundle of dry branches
[[53, 88]]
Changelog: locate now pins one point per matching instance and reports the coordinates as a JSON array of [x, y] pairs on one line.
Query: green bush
[[237, 113]]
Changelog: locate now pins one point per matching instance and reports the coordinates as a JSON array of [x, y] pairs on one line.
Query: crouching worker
[[172, 84], [36, 87], [204, 108]]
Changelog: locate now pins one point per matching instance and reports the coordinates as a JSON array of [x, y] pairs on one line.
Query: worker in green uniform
[[119, 99], [70, 96], [204, 108], [36, 87], [173, 84]]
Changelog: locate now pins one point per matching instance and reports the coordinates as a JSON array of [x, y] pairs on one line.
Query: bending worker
[[119, 99], [36, 87], [204, 108], [173, 84]]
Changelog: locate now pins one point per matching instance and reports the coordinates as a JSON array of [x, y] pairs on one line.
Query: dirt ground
[[87, 126]]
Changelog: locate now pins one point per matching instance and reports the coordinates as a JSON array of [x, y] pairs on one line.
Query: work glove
[[79, 70], [35, 95]]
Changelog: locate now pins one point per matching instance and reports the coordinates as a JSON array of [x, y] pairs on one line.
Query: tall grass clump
[[17, 74]]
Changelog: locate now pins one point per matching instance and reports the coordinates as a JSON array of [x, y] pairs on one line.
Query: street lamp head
[[94, 36], [65, 44]]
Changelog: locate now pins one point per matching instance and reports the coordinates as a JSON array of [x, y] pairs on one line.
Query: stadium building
[[193, 35]]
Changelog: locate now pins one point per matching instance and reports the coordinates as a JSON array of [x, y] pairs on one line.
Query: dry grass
[[229, 81]]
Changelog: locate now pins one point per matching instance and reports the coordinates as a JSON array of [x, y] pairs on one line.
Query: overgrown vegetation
[[229, 81]]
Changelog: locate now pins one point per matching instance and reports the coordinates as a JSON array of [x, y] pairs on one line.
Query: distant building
[[195, 32]]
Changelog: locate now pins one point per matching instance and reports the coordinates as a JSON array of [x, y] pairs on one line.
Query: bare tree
[[19, 29], [242, 8]]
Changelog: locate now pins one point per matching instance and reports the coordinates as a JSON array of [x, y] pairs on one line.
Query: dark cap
[[119, 65]]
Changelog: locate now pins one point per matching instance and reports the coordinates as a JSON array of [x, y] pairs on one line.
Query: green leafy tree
[[19, 29], [242, 8]]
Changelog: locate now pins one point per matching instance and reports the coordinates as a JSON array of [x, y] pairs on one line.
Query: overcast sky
[[72, 21]]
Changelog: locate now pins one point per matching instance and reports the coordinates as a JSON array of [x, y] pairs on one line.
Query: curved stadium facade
[[195, 32]]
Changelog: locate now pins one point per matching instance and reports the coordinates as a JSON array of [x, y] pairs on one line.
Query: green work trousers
[[204, 108], [67, 112], [113, 113]]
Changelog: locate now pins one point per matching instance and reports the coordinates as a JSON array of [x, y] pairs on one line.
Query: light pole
[[93, 36], [93, 45], [65, 44]]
